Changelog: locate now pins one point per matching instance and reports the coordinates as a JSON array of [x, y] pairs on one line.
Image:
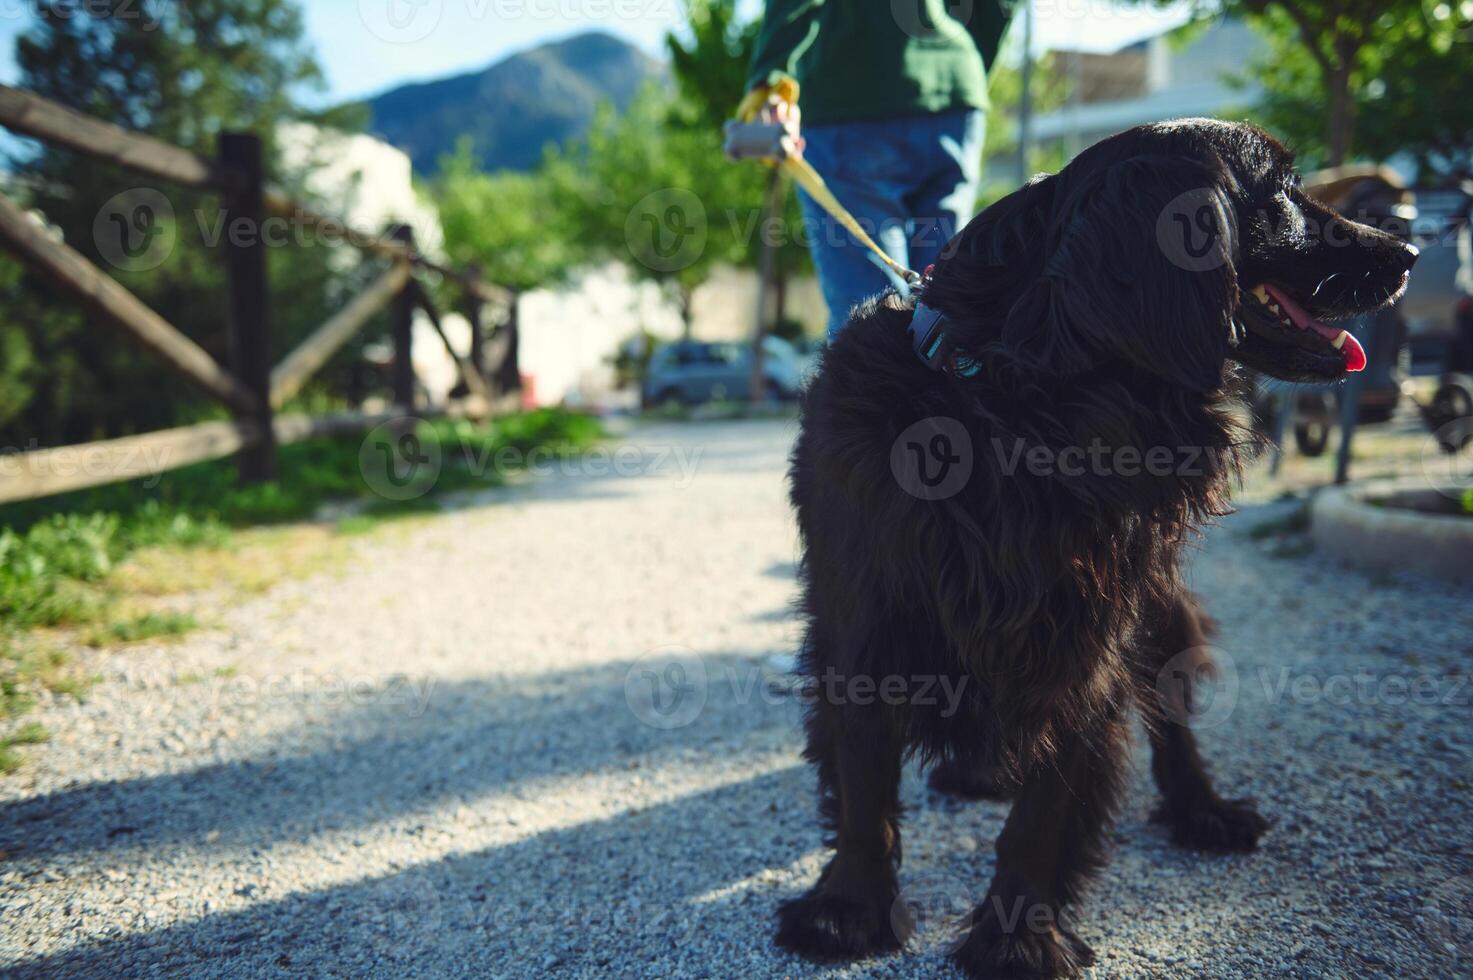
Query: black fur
[[1053, 597]]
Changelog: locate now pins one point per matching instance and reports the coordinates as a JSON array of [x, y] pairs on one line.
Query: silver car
[[695, 372]]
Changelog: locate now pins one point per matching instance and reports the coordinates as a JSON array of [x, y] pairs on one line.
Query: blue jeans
[[911, 183]]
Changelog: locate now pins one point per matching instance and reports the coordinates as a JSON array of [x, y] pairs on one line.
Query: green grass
[[31, 734], [148, 626], [52, 550], [59, 556], [1295, 521]]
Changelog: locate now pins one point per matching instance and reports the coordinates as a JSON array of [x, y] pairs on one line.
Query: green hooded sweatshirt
[[872, 59]]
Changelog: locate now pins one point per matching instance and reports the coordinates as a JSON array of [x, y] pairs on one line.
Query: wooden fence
[[250, 387]]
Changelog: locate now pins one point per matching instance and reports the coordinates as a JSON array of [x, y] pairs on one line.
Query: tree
[[659, 197], [1410, 89], [1327, 57], [182, 73], [710, 69], [509, 223], [710, 66], [1337, 35]]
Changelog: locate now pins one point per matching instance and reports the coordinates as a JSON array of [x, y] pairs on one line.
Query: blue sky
[[366, 46]]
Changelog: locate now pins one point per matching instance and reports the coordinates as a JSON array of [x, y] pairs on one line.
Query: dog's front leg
[[1172, 664], [1053, 842], [852, 912]]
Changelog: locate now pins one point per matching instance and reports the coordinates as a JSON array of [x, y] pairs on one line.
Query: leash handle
[[760, 130]]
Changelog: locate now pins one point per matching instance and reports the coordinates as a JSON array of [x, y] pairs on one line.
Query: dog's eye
[[1285, 221]]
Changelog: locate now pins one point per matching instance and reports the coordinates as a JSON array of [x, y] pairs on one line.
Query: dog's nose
[[1409, 253]]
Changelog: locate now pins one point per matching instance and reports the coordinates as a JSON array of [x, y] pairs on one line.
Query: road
[[541, 734]]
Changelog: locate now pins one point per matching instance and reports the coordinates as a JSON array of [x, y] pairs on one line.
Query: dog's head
[[1173, 248]]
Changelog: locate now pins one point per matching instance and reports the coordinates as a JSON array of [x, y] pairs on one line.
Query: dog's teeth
[[1339, 340], [1274, 308], [1260, 294]]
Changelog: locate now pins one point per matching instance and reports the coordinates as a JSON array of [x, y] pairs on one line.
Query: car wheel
[[1451, 416]]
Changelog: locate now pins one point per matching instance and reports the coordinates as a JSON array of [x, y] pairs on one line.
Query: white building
[[1151, 80], [570, 336]]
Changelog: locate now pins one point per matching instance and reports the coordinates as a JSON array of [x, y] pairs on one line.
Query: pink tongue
[[1355, 354]]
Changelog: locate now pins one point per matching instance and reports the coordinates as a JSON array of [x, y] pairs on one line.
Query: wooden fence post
[[473, 308], [508, 373], [402, 318], [250, 302]]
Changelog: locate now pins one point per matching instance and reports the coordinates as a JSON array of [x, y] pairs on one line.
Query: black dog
[[1012, 522]]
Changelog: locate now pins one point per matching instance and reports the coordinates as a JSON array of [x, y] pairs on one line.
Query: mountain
[[512, 109]]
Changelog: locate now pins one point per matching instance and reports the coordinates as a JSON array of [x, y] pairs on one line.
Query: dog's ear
[[1138, 266]]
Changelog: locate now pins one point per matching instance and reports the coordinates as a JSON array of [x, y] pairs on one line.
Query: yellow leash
[[766, 140], [806, 177]]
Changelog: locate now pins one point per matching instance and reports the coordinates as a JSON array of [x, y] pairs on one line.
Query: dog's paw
[[823, 925], [1219, 826], [970, 782], [1026, 951]]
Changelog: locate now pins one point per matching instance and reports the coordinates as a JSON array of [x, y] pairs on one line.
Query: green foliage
[[48, 548], [566, 431], [37, 567], [1408, 90], [710, 62], [57, 555], [148, 626], [182, 73], [30, 734], [511, 224], [1345, 79], [634, 167]]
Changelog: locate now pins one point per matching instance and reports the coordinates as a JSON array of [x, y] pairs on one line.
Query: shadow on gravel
[[401, 754], [638, 882]]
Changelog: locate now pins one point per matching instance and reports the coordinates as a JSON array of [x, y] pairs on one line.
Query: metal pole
[[774, 200], [1025, 101], [1283, 401], [1349, 413]]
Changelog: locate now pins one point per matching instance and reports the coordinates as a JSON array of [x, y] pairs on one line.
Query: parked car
[[1440, 231], [695, 372]]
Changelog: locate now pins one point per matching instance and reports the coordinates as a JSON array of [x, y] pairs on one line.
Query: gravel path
[[451, 761]]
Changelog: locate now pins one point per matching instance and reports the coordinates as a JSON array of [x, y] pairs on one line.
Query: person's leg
[[945, 194], [848, 272]]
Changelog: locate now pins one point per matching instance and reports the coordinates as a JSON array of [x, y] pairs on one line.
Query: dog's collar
[[928, 339]]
